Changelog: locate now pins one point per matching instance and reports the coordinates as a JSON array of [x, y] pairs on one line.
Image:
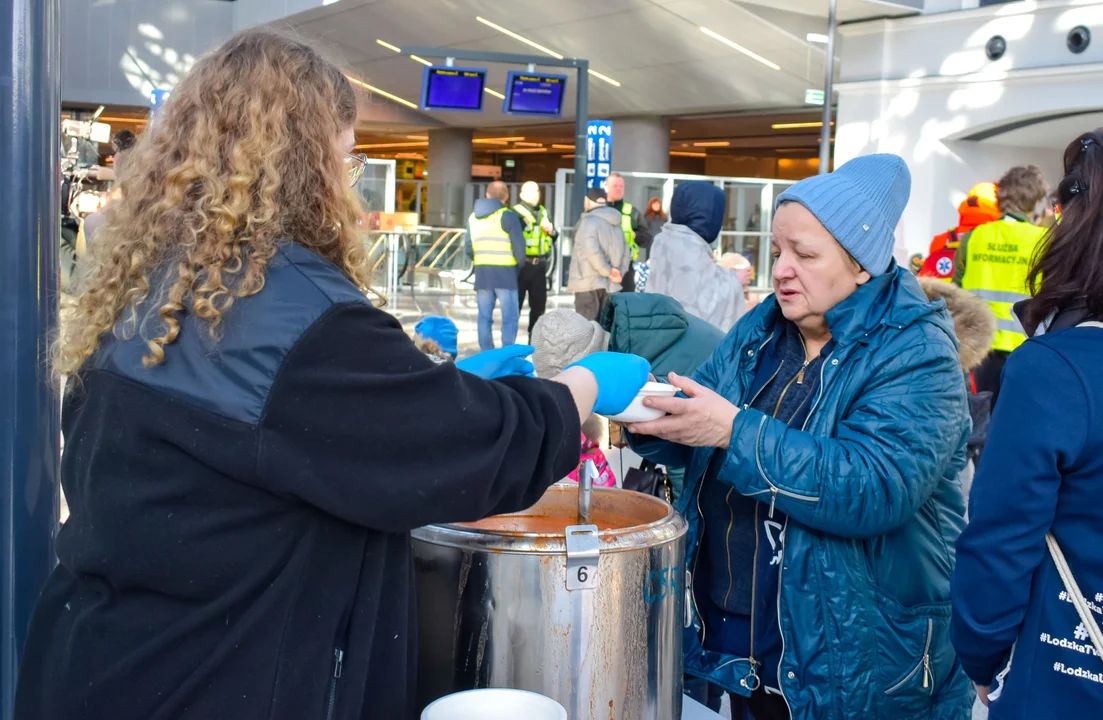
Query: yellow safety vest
[[997, 263], [489, 242], [629, 233], [537, 242]]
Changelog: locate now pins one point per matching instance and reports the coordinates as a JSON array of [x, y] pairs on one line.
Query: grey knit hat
[[562, 337]]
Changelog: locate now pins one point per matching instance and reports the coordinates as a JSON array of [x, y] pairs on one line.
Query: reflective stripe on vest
[[489, 242], [629, 233], [537, 242], [996, 268]]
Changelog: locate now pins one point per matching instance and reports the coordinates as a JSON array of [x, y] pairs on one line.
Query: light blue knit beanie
[[859, 204]]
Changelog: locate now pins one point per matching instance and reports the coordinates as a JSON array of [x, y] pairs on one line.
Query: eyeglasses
[[355, 165]]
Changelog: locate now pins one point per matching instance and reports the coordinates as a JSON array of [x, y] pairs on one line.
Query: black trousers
[[987, 376], [628, 283], [532, 281]]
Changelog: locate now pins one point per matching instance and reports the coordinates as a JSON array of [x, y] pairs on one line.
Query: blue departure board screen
[[453, 88], [534, 94]]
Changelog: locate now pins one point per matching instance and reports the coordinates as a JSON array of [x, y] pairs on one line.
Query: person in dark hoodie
[[1029, 576], [682, 262], [496, 243], [248, 441]]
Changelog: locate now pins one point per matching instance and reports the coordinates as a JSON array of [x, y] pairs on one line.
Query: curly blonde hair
[[242, 156]]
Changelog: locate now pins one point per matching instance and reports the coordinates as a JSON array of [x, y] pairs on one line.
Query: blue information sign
[[453, 88], [530, 94], [599, 152], [157, 98]]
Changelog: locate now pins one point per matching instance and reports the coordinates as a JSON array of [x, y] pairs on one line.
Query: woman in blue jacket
[[1042, 472], [822, 443]]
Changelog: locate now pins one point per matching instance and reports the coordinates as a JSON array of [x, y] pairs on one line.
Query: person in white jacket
[[682, 263]]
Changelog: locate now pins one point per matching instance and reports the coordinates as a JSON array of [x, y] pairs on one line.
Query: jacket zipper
[[727, 544], [924, 665], [338, 664], [784, 531], [697, 552], [780, 571], [754, 595]]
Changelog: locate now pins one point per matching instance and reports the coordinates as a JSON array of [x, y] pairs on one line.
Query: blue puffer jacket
[[874, 505]]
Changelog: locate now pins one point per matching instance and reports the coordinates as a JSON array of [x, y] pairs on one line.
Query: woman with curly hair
[[249, 441]]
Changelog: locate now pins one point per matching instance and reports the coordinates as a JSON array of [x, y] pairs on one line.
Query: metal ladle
[[586, 491]]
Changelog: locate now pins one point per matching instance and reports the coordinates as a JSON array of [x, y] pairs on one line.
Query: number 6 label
[[583, 557]]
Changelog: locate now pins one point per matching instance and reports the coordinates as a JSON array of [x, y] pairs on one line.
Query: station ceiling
[[649, 57]]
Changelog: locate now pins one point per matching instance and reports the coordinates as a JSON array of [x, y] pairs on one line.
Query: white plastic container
[[495, 704], [637, 412]]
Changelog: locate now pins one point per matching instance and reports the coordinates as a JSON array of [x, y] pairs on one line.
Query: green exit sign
[[813, 97]]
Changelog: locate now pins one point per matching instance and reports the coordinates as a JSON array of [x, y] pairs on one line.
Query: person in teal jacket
[[823, 441], [659, 329]]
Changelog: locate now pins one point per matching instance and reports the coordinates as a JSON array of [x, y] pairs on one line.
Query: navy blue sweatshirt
[[1042, 471]]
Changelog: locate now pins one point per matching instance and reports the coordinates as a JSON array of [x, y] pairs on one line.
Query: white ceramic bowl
[[636, 412], [494, 704]]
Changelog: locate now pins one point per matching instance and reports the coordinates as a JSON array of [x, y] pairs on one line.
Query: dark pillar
[[30, 107]]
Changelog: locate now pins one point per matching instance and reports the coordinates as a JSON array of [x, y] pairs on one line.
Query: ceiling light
[[515, 36], [417, 137], [568, 157], [529, 144], [397, 49], [557, 146], [606, 78], [374, 146], [519, 151], [541, 48], [717, 143], [688, 154], [495, 93], [384, 93], [796, 125], [816, 38], [104, 118], [740, 48], [498, 141]]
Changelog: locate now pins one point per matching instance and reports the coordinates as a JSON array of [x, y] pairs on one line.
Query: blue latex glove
[[619, 376], [499, 362]]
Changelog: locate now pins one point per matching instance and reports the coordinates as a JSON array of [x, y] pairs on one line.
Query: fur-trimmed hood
[[974, 323]]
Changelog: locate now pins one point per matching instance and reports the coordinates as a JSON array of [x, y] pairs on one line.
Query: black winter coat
[[239, 539]]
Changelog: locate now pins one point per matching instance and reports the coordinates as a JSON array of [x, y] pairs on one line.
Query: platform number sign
[[599, 152]]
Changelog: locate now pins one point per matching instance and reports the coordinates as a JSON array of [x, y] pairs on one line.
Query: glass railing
[[432, 257], [426, 258]]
